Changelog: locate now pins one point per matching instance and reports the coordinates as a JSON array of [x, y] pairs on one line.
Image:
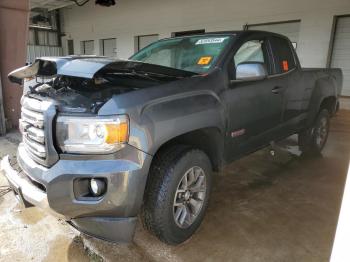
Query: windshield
[[196, 54]]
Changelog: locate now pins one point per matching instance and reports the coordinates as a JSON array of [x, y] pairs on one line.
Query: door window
[[250, 51]]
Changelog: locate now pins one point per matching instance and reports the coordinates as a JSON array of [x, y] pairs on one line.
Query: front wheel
[[177, 193], [313, 140]]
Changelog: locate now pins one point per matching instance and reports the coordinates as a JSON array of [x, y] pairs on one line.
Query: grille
[[36, 128]]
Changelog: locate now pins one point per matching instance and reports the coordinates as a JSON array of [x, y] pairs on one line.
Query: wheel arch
[[324, 96], [329, 103], [210, 140]]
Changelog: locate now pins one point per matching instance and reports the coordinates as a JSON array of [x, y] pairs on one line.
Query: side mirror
[[250, 71]]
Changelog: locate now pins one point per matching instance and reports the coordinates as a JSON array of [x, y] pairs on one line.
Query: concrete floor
[[262, 209]]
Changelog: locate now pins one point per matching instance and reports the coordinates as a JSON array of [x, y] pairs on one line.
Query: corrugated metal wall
[[34, 51]]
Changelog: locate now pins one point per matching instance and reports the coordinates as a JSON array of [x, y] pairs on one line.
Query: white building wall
[[130, 18]]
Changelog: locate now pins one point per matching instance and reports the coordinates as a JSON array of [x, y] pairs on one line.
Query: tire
[[312, 141], [162, 212]]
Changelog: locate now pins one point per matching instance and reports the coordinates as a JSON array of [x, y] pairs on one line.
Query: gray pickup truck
[[105, 140]]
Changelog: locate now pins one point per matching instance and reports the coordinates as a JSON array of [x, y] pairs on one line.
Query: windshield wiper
[[138, 74], [161, 75]]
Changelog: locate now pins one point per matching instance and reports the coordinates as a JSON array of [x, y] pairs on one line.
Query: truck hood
[[88, 67]]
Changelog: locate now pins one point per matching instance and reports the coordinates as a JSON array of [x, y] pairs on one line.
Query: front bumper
[[111, 217], [26, 193]]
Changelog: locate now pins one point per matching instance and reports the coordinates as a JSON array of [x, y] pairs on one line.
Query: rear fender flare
[[324, 87]]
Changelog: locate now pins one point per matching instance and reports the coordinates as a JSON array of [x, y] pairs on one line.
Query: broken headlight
[[92, 135]]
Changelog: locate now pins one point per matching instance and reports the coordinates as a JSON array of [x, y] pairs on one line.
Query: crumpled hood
[[87, 67]]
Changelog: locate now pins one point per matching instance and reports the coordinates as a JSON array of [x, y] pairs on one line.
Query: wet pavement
[[262, 208]]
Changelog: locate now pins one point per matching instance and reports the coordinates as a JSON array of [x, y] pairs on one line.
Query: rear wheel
[[177, 193], [313, 140]]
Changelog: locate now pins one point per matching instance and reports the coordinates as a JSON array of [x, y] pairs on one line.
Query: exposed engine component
[[76, 94]]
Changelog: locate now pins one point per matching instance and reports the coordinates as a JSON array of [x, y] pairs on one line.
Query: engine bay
[[83, 95]]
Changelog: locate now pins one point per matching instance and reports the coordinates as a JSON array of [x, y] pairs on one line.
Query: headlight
[[92, 135]]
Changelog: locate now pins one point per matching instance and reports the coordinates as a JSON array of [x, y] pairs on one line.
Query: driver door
[[254, 105]]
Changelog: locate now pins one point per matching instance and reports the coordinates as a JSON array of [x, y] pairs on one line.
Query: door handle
[[276, 89]]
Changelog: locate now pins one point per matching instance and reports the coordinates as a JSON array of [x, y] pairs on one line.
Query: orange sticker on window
[[285, 65], [204, 60]]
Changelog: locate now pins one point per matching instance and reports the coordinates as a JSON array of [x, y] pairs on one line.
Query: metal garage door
[[341, 51], [289, 29], [109, 47]]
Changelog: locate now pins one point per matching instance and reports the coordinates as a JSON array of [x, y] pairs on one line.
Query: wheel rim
[[321, 132], [189, 197]]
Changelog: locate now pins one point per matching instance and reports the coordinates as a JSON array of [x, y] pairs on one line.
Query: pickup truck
[[106, 140]]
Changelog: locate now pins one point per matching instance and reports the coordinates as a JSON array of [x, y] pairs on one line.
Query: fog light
[[97, 186]]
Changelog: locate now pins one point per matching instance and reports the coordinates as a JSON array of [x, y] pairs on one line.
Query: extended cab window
[[283, 55]]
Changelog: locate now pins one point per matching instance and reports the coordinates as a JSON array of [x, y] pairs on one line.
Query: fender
[[324, 87], [182, 114], [160, 114]]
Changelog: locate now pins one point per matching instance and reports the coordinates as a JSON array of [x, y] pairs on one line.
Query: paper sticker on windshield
[[206, 41], [204, 60]]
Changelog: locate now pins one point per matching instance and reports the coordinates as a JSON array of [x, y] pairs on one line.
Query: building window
[[70, 47], [187, 33], [43, 28], [108, 47], [142, 41], [87, 47]]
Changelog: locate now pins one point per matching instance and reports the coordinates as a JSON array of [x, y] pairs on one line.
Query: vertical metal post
[[2, 114]]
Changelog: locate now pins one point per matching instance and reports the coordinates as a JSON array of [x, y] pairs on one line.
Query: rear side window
[[283, 55]]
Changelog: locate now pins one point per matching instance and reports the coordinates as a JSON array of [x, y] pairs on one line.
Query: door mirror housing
[[250, 71]]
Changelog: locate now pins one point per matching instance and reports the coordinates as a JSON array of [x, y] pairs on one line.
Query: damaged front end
[[74, 160], [61, 103], [85, 84]]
